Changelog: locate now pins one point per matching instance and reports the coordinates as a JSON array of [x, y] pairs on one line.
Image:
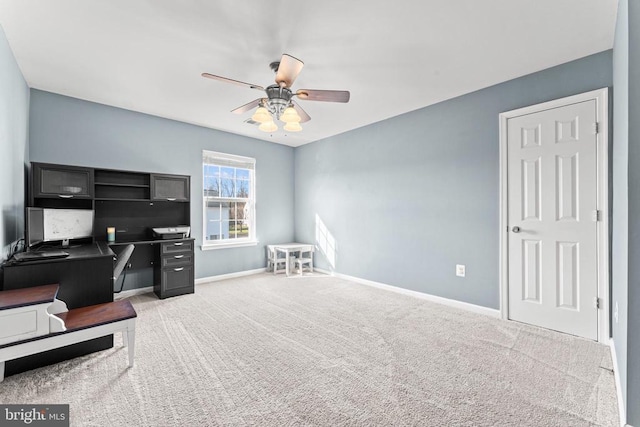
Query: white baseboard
[[132, 292], [433, 298], [229, 275], [616, 374]]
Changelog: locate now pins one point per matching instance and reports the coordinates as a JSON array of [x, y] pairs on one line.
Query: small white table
[[289, 248]]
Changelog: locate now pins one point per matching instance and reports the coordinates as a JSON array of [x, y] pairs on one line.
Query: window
[[228, 200]]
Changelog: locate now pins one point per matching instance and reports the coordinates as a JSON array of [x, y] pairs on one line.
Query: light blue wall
[[620, 219], [408, 198], [14, 146], [633, 326], [71, 131]]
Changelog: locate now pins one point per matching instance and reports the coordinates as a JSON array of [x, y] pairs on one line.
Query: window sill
[[229, 245]]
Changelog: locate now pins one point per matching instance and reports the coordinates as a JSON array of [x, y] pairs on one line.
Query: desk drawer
[[177, 260], [173, 247], [177, 281]]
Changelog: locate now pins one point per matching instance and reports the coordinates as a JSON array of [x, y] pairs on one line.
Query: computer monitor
[[58, 225]]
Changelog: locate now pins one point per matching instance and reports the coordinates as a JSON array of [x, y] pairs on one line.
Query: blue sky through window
[[228, 182]]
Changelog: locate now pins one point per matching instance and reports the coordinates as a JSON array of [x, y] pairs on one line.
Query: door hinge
[[596, 303], [596, 216], [596, 128]]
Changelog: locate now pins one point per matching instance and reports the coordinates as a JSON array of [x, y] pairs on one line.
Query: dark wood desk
[[85, 278]]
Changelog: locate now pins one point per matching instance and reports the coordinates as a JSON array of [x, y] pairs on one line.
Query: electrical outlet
[[615, 312], [460, 270]]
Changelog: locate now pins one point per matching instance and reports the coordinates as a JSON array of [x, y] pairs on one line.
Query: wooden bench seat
[[28, 296], [95, 315], [80, 324]]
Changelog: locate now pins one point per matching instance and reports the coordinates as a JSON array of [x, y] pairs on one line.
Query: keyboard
[[40, 255]]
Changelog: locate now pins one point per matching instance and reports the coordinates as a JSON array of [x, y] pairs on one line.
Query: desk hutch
[[133, 203]]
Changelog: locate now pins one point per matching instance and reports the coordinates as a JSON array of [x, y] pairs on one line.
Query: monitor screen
[[35, 226], [53, 225]]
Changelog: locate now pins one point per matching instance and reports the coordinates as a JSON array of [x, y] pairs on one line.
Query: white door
[[552, 235]]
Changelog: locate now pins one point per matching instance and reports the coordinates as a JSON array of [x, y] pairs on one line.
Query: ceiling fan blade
[[288, 70], [324, 95], [235, 82], [248, 106], [304, 117]]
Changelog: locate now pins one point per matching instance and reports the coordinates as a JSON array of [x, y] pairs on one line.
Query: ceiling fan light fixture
[[269, 126], [290, 115], [262, 115], [293, 127], [278, 103]]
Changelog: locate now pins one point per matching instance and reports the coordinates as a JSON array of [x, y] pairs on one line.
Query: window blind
[[223, 159]]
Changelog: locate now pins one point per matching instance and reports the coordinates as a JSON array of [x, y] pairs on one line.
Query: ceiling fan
[[279, 103]]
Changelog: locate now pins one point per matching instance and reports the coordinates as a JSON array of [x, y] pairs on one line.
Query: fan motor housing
[[279, 94], [278, 98]]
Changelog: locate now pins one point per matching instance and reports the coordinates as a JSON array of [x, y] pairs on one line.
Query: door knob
[[516, 229]]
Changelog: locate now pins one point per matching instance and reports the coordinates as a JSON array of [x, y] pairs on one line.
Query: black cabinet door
[[65, 182], [170, 187]]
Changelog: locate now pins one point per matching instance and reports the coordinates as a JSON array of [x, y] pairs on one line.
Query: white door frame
[[601, 96]]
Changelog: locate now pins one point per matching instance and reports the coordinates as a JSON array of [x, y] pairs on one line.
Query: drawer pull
[[179, 244], [171, 199], [178, 256], [65, 196], [178, 269]]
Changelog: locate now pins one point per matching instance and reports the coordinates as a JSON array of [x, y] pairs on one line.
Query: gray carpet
[[317, 350]]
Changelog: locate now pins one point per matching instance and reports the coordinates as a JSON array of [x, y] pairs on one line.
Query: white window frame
[[242, 162]]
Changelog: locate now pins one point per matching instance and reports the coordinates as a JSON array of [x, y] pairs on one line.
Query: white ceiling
[[393, 56]]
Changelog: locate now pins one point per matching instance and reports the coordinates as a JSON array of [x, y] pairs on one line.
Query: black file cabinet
[[173, 274]]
